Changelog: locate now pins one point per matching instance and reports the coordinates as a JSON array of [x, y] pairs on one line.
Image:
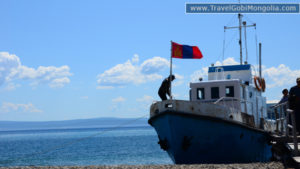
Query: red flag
[[185, 51]]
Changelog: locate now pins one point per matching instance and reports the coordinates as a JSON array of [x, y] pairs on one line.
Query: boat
[[225, 119]]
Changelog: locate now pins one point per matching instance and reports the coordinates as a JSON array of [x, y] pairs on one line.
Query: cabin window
[[229, 91], [215, 92], [200, 94]]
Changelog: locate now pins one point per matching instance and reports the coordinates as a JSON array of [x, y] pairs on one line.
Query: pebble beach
[[271, 165]]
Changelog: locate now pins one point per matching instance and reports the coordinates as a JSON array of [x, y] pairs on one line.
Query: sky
[[62, 60]]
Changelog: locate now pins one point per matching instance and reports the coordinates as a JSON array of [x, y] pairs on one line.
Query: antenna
[[240, 41]]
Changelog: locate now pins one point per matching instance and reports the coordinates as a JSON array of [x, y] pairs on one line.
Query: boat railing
[[224, 98], [286, 119], [232, 99], [281, 115], [294, 130], [220, 99]]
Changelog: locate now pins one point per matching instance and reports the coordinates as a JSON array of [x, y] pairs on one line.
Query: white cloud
[[55, 77], [11, 86], [199, 73], [59, 82], [144, 103], [203, 72], [84, 97], [186, 96], [228, 61], [117, 104], [12, 107], [135, 58], [8, 64], [119, 99], [145, 99], [129, 73], [278, 76], [154, 65], [175, 95], [104, 87], [272, 101], [178, 81], [11, 69]]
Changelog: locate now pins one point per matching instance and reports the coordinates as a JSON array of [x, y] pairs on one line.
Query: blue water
[[101, 146]]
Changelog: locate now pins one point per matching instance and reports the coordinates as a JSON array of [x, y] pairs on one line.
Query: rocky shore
[[271, 165]]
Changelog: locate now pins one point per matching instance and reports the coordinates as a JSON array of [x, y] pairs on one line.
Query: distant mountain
[[72, 124]]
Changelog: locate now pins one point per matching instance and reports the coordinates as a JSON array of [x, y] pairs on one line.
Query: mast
[[260, 61], [240, 41], [245, 24], [240, 32], [170, 77]]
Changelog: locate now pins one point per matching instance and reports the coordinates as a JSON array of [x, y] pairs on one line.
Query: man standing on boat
[[164, 89], [294, 101], [284, 99], [285, 96]]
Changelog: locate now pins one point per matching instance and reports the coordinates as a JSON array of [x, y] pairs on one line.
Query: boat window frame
[[231, 91], [212, 93], [202, 89]]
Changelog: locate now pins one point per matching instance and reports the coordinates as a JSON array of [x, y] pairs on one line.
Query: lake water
[[98, 146]]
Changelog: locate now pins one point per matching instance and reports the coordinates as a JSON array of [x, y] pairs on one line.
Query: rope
[[254, 69], [231, 20], [224, 40], [248, 19], [256, 44], [226, 45], [70, 143]]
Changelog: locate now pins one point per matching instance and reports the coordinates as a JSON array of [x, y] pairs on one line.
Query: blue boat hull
[[194, 139]]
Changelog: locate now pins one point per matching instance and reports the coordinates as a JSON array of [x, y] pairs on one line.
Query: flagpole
[[170, 78]]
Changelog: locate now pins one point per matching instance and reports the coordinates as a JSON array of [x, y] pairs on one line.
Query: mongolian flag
[[185, 51]]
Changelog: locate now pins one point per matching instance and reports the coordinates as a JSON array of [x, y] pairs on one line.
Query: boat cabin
[[231, 86]]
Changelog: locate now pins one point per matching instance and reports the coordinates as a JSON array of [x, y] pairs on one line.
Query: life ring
[[260, 83]]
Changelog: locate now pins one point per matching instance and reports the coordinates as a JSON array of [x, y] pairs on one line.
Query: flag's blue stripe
[[187, 52]]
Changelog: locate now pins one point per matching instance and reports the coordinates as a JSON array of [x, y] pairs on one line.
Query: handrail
[[219, 100], [231, 99], [294, 130], [245, 102], [278, 105], [283, 115]]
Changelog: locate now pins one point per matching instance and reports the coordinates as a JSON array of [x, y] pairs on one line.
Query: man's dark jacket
[[294, 98], [165, 87]]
